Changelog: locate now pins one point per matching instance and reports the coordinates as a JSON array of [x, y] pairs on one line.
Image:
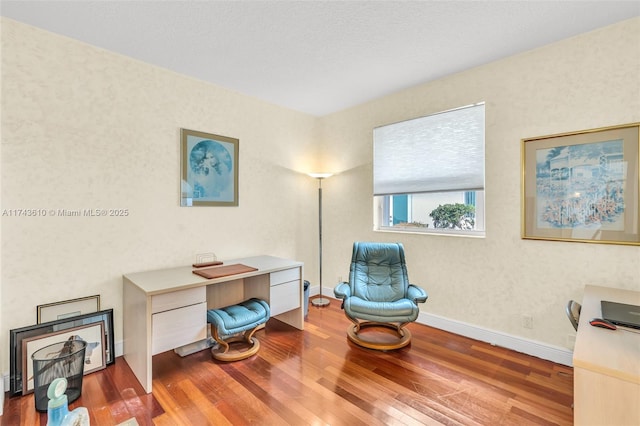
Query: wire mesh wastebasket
[[62, 359]]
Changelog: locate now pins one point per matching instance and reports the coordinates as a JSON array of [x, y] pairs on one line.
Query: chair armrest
[[342, 291], [416, 294]]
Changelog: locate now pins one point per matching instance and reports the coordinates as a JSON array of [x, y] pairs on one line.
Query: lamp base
[[320, 301]]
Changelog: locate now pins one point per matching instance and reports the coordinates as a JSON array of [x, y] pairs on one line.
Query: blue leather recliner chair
[[379, 294]]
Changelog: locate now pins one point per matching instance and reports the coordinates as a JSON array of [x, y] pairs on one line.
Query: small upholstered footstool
[[227, 324]]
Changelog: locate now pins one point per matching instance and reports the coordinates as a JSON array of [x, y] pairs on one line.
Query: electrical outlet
[[527, 321], [339, 278]]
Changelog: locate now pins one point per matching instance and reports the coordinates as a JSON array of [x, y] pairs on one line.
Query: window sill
[[430, 231]]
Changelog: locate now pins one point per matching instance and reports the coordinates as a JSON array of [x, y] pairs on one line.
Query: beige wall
[[584, 82], [86, 128]]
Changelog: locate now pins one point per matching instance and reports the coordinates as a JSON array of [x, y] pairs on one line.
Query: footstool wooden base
[[237, 324]]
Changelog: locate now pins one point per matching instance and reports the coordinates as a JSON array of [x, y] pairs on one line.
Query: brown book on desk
[[223, 271]]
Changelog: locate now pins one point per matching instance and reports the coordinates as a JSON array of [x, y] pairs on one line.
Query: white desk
[[167, 308], [606, 365]]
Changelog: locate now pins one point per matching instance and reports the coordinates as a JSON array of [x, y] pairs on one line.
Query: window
[[428, 173]]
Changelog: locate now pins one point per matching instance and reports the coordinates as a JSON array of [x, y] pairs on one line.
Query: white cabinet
[[178, 318], [178, 327], [178, 299], [606, 367], [285, 292]]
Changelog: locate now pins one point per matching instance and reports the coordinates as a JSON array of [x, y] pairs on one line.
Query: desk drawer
[[178, 327], [287, 275], [284, 297], [178, 299]]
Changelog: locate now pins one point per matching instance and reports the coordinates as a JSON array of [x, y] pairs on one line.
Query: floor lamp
[[320, 301]]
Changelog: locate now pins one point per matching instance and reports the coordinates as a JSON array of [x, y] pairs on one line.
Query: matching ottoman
[[237, 323]]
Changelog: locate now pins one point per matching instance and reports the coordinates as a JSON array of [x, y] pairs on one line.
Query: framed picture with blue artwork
[[582, 186], [209, 169]]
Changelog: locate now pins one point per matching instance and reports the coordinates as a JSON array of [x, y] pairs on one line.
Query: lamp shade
[[320, 175]]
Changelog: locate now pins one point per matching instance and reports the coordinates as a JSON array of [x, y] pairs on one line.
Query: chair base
[[223, 353], [404, 337]]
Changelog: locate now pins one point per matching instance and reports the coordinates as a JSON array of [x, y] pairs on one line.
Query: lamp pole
[[320, 301]]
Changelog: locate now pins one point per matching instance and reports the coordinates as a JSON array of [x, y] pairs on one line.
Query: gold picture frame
[[209, 169], [68, 308], [582, 186]]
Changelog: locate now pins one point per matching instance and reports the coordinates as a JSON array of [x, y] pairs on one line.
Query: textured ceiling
[[318, 57]]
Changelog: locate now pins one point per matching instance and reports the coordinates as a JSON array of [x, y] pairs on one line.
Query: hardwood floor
[[319, 377]]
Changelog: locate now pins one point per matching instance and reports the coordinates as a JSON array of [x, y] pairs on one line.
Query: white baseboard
[[2, 388], [552, 353], [119, 348], [314, 290]]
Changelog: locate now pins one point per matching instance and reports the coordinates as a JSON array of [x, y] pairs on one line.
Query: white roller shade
[[437, 153]]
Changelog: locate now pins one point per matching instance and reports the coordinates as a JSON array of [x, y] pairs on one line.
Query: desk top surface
[[613, 353], [171, 279]]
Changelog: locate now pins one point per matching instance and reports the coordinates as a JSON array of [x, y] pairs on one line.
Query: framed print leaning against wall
[[209, 169], [582, 186], [94, 356], [16, 337], [68, 308]]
